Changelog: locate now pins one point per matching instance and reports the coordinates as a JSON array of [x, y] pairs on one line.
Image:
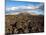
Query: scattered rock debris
[[24, 23]]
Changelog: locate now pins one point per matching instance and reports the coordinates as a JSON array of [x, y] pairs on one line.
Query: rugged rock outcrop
[[24, 23]]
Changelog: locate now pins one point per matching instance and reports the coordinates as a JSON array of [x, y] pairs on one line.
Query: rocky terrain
[[24, 23]]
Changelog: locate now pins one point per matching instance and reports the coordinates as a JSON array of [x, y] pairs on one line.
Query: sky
[[13, 7]]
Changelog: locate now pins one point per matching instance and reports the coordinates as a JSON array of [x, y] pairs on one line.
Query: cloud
[[17, 9], [14, 8], [41, 7], [7, 9], [30, 9], [11, 8], [21, 8]]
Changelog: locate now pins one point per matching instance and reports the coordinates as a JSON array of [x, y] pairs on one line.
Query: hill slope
[[24, 23]]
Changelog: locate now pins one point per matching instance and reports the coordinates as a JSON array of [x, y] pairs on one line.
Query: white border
[[2, 17]]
